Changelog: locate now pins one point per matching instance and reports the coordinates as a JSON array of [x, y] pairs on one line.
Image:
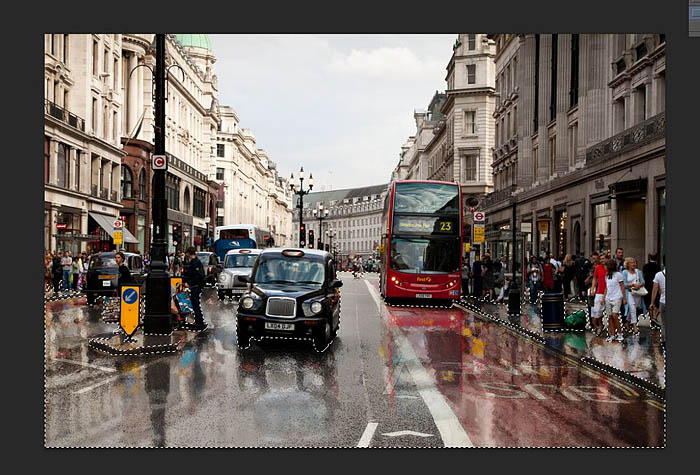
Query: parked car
[[102, 276], [237, 263], [292, 293], [212, 267]]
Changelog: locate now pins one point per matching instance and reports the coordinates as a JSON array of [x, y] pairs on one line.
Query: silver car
[[236, 263]]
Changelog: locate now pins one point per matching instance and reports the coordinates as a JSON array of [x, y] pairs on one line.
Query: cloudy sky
[[341, 106]]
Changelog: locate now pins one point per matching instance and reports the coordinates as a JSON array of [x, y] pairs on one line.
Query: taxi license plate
[[106, 283], [424, 296], [279, 326]]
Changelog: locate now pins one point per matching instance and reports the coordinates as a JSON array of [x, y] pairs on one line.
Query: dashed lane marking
[[367, 434], [451, 431]]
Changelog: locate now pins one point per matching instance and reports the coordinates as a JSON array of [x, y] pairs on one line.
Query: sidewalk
[[639, 357]]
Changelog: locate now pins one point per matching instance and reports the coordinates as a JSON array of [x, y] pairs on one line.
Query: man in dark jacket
[[57, 271], [125, 277], [193, 277]]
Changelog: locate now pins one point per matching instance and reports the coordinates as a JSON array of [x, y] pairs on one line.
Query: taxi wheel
[[243, 339], [321, 339], [91, 299]]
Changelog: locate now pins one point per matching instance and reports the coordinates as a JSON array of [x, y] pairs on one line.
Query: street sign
[[117, 224], [479, 217], [61, 225], [479, 231], [117, 237], [129, 309], [159, 162], [467, 247]]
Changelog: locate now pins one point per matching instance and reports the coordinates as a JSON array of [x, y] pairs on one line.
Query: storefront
[[543, 243], [101, 227], [601, 219], [560, 222], [67, 226]]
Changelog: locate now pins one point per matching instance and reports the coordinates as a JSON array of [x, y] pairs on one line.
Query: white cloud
[[378, 62]]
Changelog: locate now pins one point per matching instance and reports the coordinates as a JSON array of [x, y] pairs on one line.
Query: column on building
[[545, 79], [563, 81], [132, 96], [526, 73]]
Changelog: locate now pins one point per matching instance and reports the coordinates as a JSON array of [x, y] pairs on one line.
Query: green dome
[[198, 41]]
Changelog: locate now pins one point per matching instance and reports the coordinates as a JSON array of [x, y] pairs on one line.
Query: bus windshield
[[433, 198], [425, 256]]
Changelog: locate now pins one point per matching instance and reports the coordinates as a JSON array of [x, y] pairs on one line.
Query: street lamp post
[[301, 192], [320, 214], [331, 234], [157, 318]]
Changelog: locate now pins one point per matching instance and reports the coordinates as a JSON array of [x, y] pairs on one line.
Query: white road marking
[[103, 368], [451, 431], [407, 432], [96, 385], [367, 434]]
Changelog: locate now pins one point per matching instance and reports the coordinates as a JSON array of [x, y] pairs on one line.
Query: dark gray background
[[23, 198]]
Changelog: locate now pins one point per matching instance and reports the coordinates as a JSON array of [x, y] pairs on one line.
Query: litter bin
[[553, 311], [513, 298]]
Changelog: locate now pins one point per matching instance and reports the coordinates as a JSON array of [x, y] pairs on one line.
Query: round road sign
[[478, 216], [130, 296], [117, 223], [159, 162]]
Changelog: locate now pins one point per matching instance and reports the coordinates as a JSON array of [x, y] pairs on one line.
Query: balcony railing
[[104, 193], [651, 129], [497, 197], [58, 112], [94, 191]]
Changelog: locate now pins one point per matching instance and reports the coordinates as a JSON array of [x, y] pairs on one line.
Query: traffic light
[[302, 235], [328, 248], [177, 235], [311, 238], [319, 244]]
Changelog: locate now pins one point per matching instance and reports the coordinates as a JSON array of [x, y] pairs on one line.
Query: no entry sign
[[159, 162]]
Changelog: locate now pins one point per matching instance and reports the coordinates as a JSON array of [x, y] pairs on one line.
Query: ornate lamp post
[[320, 214], [301, 192], [330, 234]]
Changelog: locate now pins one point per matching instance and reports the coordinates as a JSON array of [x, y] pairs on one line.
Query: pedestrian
[[620, 259], [633, 280], [125, 277], [477, 278], [193, 277], [67, 265], [504, 264], [555, 263], [75, 271], [465, 276], [659, 290], [583, 268], [488, 278], [57, 271], [534, 278], [48, 274], [598, 291], [614, 299], [548, 270], [568, 276], [649, 272]]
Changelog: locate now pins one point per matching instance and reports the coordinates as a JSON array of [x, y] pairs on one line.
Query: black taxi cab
[[291, 293], [102, 276]]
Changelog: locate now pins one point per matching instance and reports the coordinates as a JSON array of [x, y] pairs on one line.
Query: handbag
[[640, 292]]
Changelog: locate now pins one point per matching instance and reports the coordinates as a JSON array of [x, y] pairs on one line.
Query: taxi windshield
[[297, 270], [240, 260]]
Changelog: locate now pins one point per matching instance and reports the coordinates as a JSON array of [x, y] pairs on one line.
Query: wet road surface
[[394, 377]]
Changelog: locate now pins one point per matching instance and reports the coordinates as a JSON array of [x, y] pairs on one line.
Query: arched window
[[142, 185], [127, 182], [186, 201]]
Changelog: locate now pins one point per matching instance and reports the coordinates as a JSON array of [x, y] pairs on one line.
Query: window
[[94, 116], [65, 49], [619, 115], [95, 56], [602, 226], [50, 48], [573, 90], [77, 170], [469, 122], [199, 203], [471, 74], [219, 220], [470, 168], [63, 166], [535, 120], [552, 154], [47, 159], [535, 152], [105, 124], [641, 50], [573, 143], [172, 194], [219, 173], [115, 73], [127, 181], [220, 150], [515, 120], [66, 104], [661, 92], [471, 42], [142, 185], [106, 62], [553, 88], [640, 102], [115, 126]]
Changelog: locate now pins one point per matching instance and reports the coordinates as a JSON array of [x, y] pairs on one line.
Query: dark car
[[291, 293], [103, 274], [212, 266]]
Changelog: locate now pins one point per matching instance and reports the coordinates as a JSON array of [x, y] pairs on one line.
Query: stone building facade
[[583, 156], [354, 219]]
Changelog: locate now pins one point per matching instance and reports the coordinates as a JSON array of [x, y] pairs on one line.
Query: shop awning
[[107, 223]]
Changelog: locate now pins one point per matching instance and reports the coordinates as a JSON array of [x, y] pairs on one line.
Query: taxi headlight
[[316, 307], [247, 303], [311, 308], [223, 277]]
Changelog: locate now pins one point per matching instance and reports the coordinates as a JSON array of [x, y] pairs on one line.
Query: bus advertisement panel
[[422, 246]]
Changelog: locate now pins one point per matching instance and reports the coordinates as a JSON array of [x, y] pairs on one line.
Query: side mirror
[[244, 278], [336, 284]]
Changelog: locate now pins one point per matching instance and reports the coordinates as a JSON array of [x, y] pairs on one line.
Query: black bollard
[[513, 298]]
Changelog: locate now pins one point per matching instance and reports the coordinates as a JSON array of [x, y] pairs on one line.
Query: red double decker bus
[[422, 244]]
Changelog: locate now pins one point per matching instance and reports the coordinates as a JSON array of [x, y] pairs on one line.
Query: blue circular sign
[[130, 296]]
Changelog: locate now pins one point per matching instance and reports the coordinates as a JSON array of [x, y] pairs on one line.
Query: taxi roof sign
[[292, 253]]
